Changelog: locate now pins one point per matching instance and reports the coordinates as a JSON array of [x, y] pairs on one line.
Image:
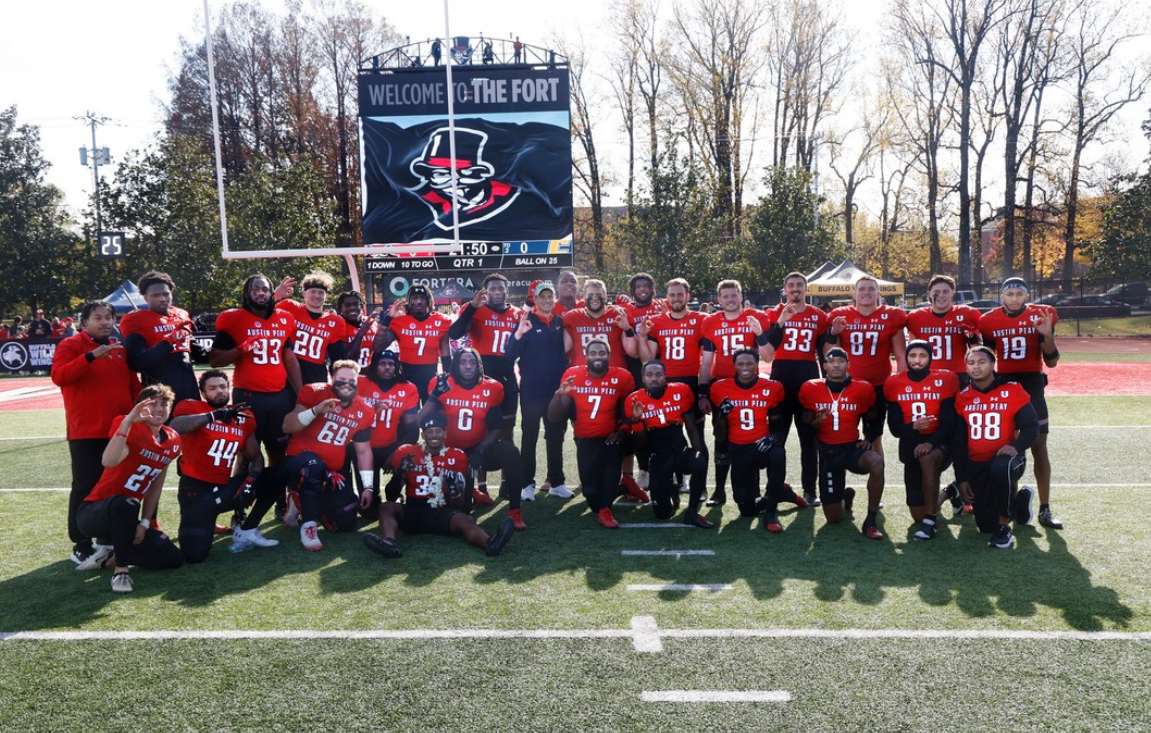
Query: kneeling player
[[997, 424], [921, 414], [659, 413], [750, 410], [835, 405], [122, 505], [214, 433], [434, 485], [325, 420], [396, 402]]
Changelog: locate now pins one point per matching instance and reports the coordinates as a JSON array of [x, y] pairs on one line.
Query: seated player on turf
[[123, 503], [659, 414], [472, 404], [435, 493], [214, 433], [921, 414], [835, 405], [749, 414], [326, 419], [592, 396], [997, 424]]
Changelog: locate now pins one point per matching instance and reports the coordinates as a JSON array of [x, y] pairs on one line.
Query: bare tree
[[637, 76], [346, 34], [587, 174], [921, 92], [853, 170], [714, 75], [1100, 87], [807, 57]]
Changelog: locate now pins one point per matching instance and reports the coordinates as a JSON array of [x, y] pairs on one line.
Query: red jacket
[[95, 392]]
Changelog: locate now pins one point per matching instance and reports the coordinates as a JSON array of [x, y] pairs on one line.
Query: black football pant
[[533, 410], [87, 468], [320, 500], [117, 517], [200, 504], [600, 466], [993, 484], [746, 463], [504, 457], [665, 464], [792, 375]]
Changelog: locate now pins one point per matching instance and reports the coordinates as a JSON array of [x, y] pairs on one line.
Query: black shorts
[[270, 409], [419, 518], [420, 375], [834, 463], [1035, 383], [880, 418], [501, 369]]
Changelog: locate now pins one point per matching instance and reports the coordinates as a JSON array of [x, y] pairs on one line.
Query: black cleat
[[503, 533], [1049, 520], [1002, 539], [951, 493], [848, 499], [718, 498], [382, 545], [695, 520], [925, 532], [811, 499], [1021, 510]]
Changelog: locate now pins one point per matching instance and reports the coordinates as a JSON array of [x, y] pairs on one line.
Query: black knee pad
[[313, 476]]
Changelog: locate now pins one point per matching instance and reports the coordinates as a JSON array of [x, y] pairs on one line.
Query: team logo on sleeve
[[477, 194]]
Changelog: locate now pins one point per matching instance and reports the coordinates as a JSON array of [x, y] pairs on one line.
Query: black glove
[[442, 385], [454, 484], [406, 464], [763, 445], [725, 407], [476, 460], [228, 414]]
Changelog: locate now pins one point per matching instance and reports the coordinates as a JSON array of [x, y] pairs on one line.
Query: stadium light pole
[[216, 129]]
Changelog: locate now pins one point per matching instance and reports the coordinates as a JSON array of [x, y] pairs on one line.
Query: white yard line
[[37, 437], [661, 553], [679, 587], [716, 696]]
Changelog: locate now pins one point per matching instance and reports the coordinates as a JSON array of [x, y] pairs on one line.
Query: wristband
[[367, 479], [90, 357], [122, 435], [385, 321], [629, 333], [1054, 353], [762, 339], [146, 523], [307, 416]]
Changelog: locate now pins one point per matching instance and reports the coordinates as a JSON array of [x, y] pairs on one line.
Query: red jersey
[[582, 328], [390, 406], [262, 369], [846, 408], [329, 434], [490, 330], [990, 417], [747, 423], [95, 392], [636, 313], [678, 342], [147, 458], [677, 401], [560, 309], [867, 339], [923, 398], [419, 341], [210, 452], [801, 333], [1017, 341], [418, 482], [467, 410], [597, 401], [153, 327], [314, 334], [947, 333], [725, 336], [364, 357]]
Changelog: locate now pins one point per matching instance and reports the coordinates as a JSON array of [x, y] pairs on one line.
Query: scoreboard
[[486, 256]]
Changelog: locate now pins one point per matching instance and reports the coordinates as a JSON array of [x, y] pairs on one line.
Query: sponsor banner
[[27, 355], [460, 288]]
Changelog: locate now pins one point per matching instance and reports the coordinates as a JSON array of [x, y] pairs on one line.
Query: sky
[[63, 58]]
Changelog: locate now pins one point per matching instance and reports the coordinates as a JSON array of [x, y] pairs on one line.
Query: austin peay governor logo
[[14, 356], [478, 194]]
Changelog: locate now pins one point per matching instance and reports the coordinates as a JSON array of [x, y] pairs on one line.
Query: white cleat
[[528, 493], [309, 537], [561, 492]]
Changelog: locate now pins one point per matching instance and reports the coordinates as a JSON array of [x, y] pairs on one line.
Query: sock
[[929, 519], [721, 470], [871, 514], [1044, 507]]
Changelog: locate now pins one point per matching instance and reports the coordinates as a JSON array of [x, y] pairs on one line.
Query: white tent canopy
[[838, 281], [126, 298]]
